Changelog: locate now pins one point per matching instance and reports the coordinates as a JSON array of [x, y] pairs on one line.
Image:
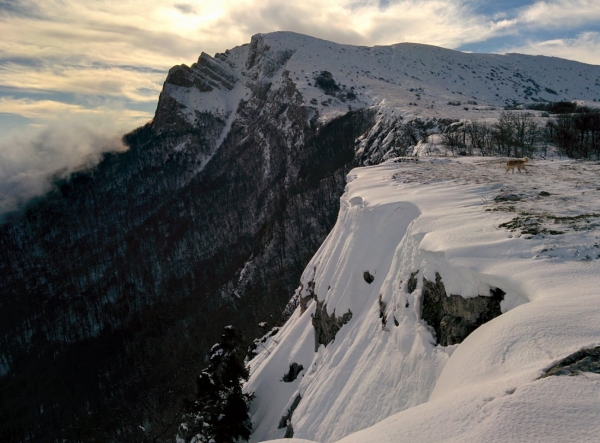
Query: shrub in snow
[[326, 82]]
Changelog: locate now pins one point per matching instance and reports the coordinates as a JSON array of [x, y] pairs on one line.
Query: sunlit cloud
[[562, 14], [51, 110], [134, 85], [71, 67], [35, 109], [30, 157], [583, 48]]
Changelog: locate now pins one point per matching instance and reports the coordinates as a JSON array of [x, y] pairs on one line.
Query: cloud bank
[[29, 158], [122, 48]]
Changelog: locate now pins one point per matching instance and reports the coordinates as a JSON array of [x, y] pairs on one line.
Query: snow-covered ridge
[[419, 79], [401, 83], [443, 216]]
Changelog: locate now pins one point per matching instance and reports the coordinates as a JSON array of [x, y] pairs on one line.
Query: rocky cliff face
[[116, 283], [453, 317]]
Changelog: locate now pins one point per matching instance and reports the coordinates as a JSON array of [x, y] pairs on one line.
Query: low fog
[[30, 157]]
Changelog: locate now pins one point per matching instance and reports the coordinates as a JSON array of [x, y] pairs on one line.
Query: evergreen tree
[[219, 413]]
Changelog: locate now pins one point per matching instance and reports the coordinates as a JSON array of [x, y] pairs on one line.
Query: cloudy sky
[[95, 68]]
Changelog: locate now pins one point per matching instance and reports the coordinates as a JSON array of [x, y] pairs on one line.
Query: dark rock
[[368, 277], [506, 197], [382, 307], [412, 282], [585, 360], [326, 326], [289, 432], [544, 194], [285, 419], [453, 317], [181, 75], [292, 374], [311, 296]]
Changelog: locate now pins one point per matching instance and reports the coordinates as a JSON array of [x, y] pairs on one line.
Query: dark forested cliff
[[115, 284]]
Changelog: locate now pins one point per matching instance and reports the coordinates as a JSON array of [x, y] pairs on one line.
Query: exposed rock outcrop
[[584, 360], [326, 326], [286, 420], [382, 308], [292, 374], [453, 317], [412, 282]]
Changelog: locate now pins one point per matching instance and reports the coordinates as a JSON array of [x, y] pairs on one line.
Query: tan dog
[[519, 164]]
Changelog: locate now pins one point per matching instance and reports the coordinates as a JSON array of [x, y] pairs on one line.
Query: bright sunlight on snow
[[534, 235]]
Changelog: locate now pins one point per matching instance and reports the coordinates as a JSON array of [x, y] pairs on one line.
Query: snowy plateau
[[444, 215]]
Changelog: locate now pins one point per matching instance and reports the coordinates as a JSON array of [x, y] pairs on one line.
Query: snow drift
[[438, 216]]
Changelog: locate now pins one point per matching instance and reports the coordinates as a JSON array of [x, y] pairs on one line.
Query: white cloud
[[29, 157], [50, 109], [439, 22], [561, 14], [86, 79], [106, 52], [62, 137], [583, 48], [35, 109]]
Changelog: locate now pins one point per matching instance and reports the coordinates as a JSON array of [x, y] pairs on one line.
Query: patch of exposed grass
[[533, 224]]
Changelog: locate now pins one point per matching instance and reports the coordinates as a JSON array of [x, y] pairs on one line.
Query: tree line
[[575, 134]]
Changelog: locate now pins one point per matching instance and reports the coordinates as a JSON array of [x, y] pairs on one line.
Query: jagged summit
[[329, 79], [418, 79], [326, 80]]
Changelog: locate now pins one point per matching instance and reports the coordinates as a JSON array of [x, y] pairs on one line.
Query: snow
[[393, 76], [402, 81], [438, 215], [551, 409]]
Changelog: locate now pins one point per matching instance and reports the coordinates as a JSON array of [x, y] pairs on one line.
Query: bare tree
[[515, 134], [576, 135], [502, 134], [453, 138], [479, 137], [525, 135]]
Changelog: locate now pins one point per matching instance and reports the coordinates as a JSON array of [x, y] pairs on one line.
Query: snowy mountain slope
[[442, 216], [419, 79]]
